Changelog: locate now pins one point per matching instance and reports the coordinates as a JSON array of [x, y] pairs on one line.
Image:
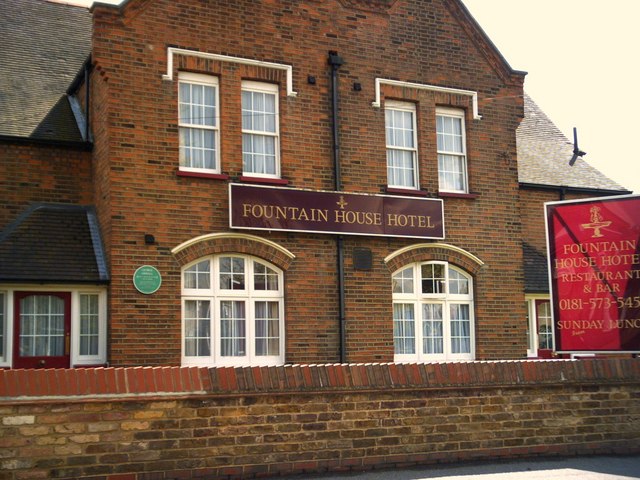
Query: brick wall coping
[[133, 382]]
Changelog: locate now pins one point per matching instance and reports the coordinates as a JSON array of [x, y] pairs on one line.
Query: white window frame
[[215, 296], [101, 356], [461, 156], [393, 105], [76, 359], [533, 343], [445, 299], [270, 89], [210, 81]]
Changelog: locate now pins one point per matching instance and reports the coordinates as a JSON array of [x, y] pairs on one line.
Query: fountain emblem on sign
[[597, 222]]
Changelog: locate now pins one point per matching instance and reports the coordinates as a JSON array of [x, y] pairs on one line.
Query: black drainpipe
[[336, 61]]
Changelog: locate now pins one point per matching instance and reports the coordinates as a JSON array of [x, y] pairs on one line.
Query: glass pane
[[41, 326], [449, 134], [232, 276], [267, 327], [197, 328], [197, 148], [264, 278], [401, 168], [404, 328], [432, 328], [545, 329], [433, 280], [232, 328], [89, 324], [458, 283], [198, 276], [259, 154], [460, 328], [451, 172], [403, 281]]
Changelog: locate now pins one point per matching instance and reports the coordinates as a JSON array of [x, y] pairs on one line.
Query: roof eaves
[[568, 189], [84, 146]]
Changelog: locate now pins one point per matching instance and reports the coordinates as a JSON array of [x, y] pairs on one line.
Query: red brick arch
[[216, 243], [426, 252]]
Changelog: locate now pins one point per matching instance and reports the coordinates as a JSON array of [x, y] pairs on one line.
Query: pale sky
[[582, 60]]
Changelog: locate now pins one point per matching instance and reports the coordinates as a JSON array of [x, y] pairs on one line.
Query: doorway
[[42, 329]]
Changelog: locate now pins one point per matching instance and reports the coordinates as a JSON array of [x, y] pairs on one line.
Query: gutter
[[563, 190], [47, 142]]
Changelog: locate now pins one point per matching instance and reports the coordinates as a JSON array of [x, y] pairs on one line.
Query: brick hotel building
[[226, 183]]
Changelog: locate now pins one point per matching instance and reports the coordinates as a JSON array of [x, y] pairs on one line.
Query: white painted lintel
[[432, 88], [171, 51]]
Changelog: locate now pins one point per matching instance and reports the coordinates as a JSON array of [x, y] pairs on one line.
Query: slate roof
[[53, 243], [544, 153], [44, 46], [536, 270]]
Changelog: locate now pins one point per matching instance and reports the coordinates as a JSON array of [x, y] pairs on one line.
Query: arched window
[[433, 313], [232, 312]]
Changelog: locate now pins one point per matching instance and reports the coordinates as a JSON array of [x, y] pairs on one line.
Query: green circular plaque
[[147, 279]]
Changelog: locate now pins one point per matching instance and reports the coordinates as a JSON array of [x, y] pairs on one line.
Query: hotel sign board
[[275, 208], [594, 269]]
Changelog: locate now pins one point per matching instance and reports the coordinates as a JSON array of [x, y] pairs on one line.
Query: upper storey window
[[452, 158], [198, 111], [260, 130], [402, 149]]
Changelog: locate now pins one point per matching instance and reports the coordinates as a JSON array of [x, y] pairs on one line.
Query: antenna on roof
[[576, 151]]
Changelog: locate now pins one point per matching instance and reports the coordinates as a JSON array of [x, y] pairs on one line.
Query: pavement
[[572, 468]]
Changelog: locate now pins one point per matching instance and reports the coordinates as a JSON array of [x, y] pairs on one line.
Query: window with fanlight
[[433, 313], [232, 312]]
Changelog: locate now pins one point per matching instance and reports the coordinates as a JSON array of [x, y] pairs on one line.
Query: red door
[[42, 326]]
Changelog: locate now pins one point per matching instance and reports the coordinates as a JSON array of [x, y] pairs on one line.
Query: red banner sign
[[594, 264], [271, 208]]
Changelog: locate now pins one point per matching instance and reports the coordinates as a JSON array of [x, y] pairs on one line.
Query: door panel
[[42, 327]]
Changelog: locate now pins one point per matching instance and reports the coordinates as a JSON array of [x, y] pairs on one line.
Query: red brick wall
[[171, 422], [134, 116], [38, 173]]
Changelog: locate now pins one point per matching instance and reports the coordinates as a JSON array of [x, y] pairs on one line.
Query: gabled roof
[[44, 46], [544, 153], [53, 243]]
